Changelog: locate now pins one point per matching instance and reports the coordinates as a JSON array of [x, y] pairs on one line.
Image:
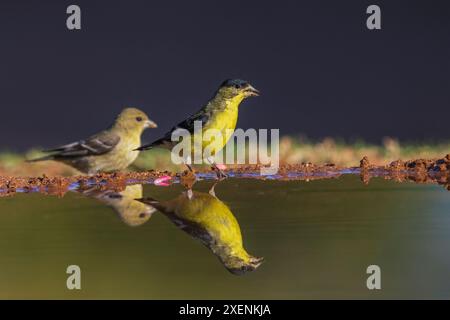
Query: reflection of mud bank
[[419, 171], [418, 165], [60, 185]]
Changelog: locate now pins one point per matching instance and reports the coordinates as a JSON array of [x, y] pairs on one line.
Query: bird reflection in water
[[201, 215], [132, 212], [204, 217]]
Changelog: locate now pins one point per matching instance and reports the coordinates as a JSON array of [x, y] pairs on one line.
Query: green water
[[317, 239]]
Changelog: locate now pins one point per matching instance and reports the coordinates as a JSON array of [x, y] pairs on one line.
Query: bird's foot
[[220, 174], [188, 179]]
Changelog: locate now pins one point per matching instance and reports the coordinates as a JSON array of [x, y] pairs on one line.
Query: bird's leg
[[220, 174], [187, 162], [212, 190], [189, 167], [190, 177]]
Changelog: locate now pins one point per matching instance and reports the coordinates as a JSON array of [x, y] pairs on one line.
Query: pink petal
[[222, 166], [162, 181]]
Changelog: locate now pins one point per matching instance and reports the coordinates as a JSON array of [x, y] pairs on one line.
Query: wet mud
[[435, 171]]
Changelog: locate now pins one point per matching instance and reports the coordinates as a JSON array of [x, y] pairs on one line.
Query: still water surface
[[317, 239]]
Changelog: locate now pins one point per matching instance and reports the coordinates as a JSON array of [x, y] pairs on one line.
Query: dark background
[[321, 71]]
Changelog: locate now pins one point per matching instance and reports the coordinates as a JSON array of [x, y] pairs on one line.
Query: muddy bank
[[60, 185], [419, 171], [418, 165], [118, 181]]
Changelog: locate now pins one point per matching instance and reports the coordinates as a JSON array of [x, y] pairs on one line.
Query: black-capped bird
[[204, 217], [113, 149], [220, 113]]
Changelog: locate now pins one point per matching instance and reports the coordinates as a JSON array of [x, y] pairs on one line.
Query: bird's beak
[[251, 91], [150, 124]]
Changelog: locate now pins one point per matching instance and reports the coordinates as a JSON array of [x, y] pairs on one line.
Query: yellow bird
[[204, 217], [113, 149], [220, 113]]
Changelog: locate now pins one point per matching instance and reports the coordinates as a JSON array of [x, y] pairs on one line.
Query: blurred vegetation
[[348, 154], [292, 150]]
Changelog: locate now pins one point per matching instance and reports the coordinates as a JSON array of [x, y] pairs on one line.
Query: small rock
[[364, 163]]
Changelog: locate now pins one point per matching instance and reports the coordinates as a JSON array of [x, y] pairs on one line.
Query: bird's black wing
[[98, 144], [188, 124]]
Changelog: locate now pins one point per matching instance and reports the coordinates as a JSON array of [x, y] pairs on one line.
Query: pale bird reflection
[[131, 212]]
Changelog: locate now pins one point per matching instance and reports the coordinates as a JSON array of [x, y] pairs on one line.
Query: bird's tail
[[149, 201], [155, 144], [44, 158]]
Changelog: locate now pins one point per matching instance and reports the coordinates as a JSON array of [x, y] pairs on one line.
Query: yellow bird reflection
[[204, 217]]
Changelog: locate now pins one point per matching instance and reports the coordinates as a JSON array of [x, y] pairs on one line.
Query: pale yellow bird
[[113, 149]]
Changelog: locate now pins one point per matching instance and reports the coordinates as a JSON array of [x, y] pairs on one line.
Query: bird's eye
[[139, 119], [237, 86]]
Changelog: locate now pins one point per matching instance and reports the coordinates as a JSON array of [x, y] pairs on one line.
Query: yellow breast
[[224, 121]]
